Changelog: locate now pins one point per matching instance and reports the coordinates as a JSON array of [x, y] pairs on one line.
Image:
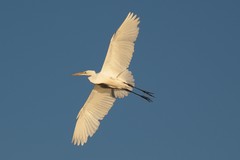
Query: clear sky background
[[187, 53]]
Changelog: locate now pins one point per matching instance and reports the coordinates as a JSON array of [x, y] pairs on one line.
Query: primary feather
[[95, 108], [121, 47]]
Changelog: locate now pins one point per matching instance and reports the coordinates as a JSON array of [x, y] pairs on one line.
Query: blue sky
[[187, 53]]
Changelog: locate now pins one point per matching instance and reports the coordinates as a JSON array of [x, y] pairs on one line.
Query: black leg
[[142, 96], [144, 91]]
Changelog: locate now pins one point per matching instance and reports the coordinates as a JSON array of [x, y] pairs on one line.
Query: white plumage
[[121, 47], [93, 110], [113, 81]]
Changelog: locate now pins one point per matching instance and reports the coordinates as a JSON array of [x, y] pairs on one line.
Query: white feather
[[114, 73], [96, 107], [121, 47]]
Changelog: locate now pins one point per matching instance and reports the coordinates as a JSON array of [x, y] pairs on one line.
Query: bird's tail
[[126, 77]]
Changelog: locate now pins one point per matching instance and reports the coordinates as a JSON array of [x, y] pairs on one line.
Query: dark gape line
[[144, 91], [142, 96]]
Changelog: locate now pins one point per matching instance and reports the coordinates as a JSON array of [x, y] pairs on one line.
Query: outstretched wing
[[121, 47], [95, 108]]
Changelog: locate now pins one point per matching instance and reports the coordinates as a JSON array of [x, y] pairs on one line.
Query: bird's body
[[103, 79], [113, 81]]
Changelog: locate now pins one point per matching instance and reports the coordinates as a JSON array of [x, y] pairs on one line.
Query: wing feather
[[121, 47], [95, 108]]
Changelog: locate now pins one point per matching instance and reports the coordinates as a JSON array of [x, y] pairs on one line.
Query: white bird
[[113, 81]]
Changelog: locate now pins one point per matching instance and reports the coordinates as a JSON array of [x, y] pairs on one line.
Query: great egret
[[113, 81]]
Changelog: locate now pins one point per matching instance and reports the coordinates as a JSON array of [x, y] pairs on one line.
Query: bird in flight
[[113, 81]]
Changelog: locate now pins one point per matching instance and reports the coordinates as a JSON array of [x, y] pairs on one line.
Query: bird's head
[[85, 73]]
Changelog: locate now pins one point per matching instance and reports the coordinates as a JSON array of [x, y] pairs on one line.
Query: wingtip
[[78, 143], [132, 15]]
